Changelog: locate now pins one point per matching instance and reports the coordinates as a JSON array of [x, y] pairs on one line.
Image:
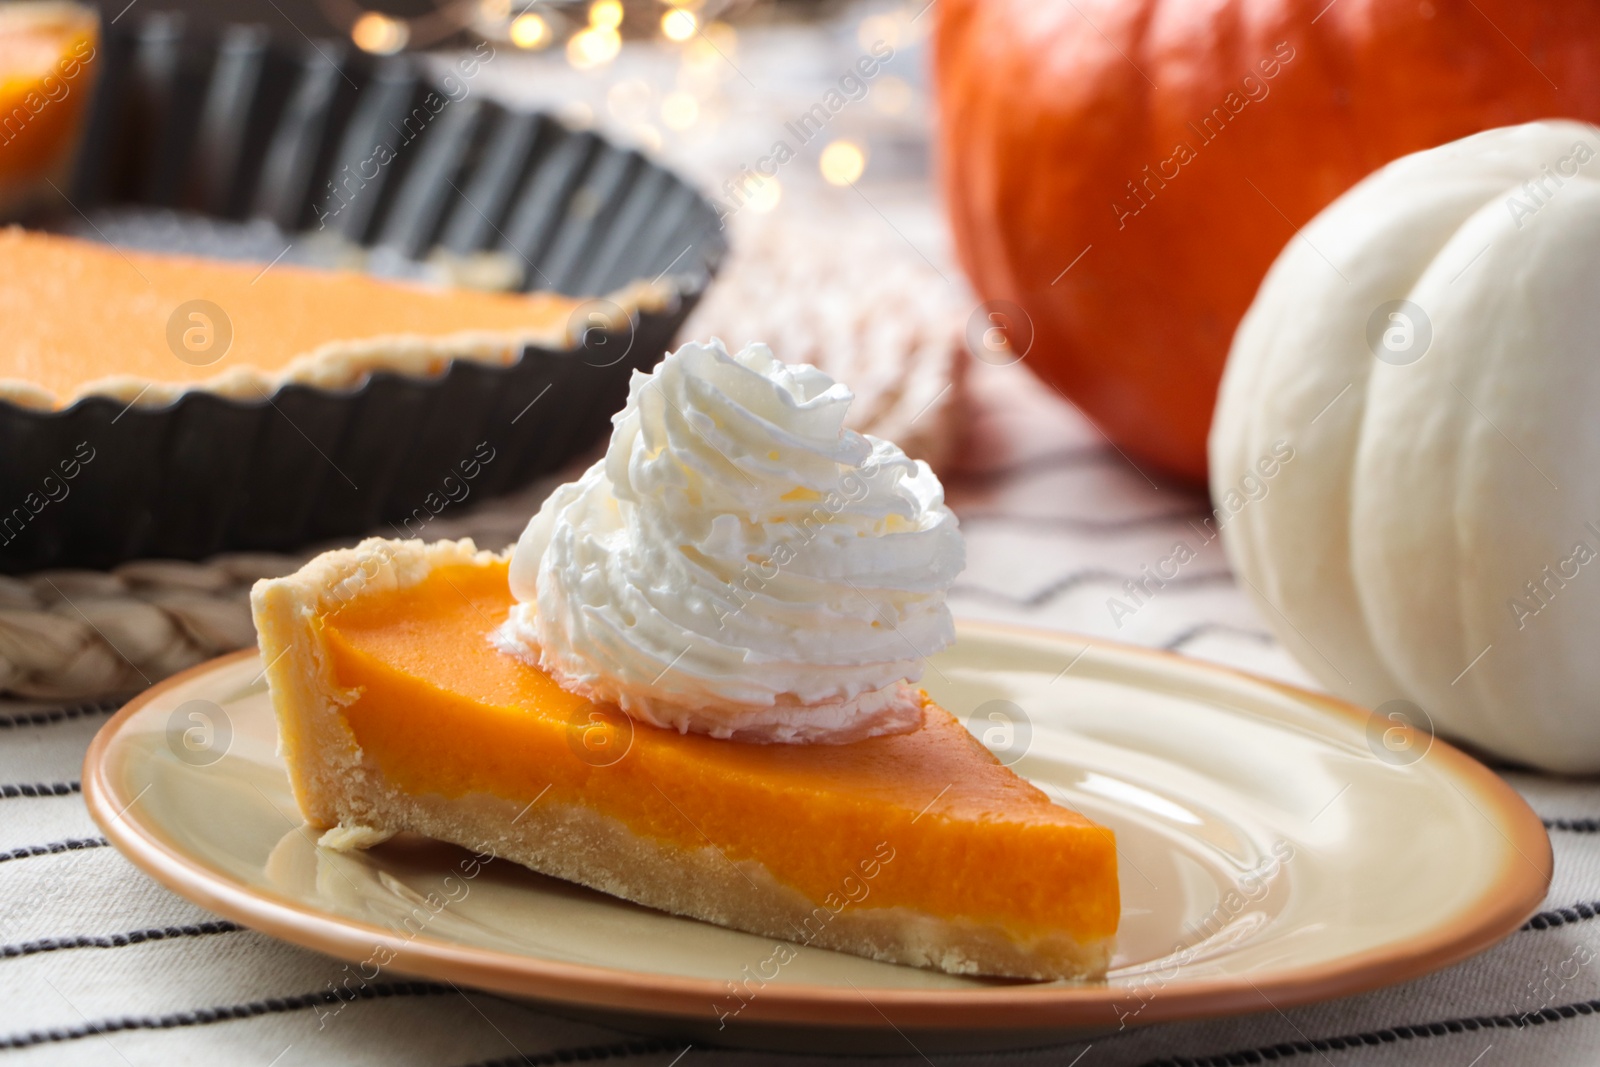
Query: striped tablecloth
[[99, 965]]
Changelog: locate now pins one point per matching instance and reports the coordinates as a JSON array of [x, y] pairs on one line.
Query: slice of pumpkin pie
[[690, 685]]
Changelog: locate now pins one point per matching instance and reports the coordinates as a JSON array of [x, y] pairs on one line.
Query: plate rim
[[1501, 908]]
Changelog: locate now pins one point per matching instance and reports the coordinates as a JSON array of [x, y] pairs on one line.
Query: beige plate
[[1277, 847]]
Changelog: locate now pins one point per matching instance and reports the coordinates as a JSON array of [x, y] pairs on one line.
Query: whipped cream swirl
[[740, 564]]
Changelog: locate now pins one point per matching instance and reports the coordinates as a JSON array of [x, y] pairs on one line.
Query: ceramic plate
[[1272, 853]]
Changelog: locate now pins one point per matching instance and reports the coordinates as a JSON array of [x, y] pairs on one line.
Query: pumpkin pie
[[398, 713], [79, 318]]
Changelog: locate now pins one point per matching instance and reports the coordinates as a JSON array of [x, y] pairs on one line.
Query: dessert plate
[[1268, 842]]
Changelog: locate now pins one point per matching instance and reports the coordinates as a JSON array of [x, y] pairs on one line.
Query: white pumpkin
[[1435, 535]]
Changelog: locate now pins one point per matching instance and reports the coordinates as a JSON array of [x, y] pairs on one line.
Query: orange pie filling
[[147, 326], [927, 821]]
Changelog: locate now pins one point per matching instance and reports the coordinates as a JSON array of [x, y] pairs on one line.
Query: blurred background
[[706, 86]]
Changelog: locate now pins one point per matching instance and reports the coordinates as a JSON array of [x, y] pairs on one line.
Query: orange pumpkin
[[1126, 170]]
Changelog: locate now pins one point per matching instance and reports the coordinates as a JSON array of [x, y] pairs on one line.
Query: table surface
[[100, 965]]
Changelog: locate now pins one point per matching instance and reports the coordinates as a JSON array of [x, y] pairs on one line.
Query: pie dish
[[229, 145], [398, 714]]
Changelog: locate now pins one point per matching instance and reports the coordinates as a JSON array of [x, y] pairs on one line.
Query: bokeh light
[[593, 47], [530, 31], [764, 195], [379, 34], [679, 25], [842, 163]]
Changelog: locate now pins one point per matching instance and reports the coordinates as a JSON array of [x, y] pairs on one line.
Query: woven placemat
[[80, 635]]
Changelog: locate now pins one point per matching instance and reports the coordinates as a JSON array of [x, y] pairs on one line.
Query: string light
[[842, 163], [379, 34], [605, 14], [679, 25], [530, 31], [593, 47], [764, 197]]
